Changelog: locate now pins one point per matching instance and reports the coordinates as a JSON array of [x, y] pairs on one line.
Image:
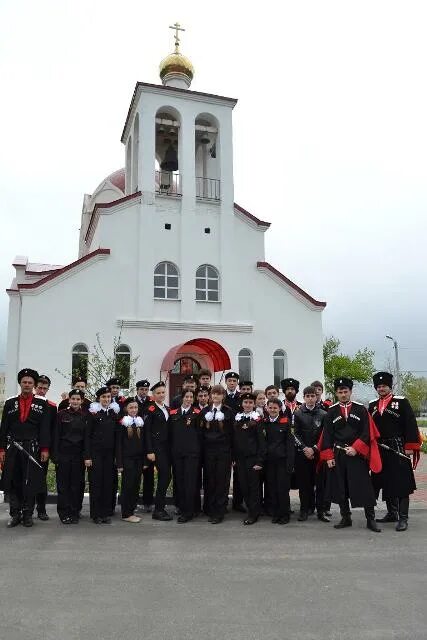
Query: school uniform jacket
[[101, 433], [143, 405], [186, 435], [232, 400], [249, 440], [130, 443], [308, 424], [280, 443], [216, 436], [156, 429], [70, 433], [65, 404]]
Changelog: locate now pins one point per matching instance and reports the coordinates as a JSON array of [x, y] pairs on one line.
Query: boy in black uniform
[[398, 428], [232, 400], [249, 451], [308, 423], [246, 386], [157, 446], [80, 384], [186, 449], [113, 385], [205, 378], [349, 446], [25, 420], [279, 460], [100, 446], [189, 384], [318, 387], [42, 387], [130, 458], [67, 454], [143, 399]]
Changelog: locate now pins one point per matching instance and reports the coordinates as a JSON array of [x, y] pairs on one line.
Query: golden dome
[[176, 63]]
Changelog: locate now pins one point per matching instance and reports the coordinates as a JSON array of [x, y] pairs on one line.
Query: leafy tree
[[415, 389], [359, 367]]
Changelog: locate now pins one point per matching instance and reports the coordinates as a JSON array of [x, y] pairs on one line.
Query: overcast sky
[[330, 138]]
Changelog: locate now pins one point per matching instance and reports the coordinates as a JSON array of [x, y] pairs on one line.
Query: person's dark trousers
[[69, 471], [131, 481], [20, 502], [114, 490], [163, 466], [82, 488], [218, 472], [403, 508], [393, 506], [186, 477], [250, 485], [197, 494], [279, 484], [237, 489], [306, 477], [148, 486], [265, 498], [41, 498], [101, 482], [345, 510]]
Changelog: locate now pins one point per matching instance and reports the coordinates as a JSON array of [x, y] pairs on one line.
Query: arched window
[[122, 368], [166, 281], [79, 360], [207, 283], [280, 366], [245, 364]]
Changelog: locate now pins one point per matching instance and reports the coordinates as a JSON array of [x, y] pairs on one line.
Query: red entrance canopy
[[218, 355]]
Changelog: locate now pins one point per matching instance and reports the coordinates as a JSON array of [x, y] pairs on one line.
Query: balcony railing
[[208, 189], [168, 183]]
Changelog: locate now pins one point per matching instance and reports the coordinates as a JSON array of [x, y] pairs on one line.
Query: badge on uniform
[[394, 405], [188, 421]]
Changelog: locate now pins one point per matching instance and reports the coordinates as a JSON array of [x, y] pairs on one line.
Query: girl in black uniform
[[217, 424], [100, 448], [130, 458], [186, 447], [279, 460], [67, 453], [248, 455]]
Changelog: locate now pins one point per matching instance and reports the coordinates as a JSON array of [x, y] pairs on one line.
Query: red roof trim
[[176, 90], [260, 223], [108, 205], [68, 267], [304, 294]]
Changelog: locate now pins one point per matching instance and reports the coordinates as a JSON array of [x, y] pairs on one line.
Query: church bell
[[170, 162]]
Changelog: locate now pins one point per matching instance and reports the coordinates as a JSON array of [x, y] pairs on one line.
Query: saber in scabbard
[[338, 446], [298, 442], [21, 448], [398, 453]]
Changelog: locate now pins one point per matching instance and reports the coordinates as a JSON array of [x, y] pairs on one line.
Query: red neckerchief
[[291, 405], [384, 402], [25, 407], [345, 409]]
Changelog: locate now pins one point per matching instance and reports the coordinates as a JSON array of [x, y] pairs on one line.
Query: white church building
[[192, 287]]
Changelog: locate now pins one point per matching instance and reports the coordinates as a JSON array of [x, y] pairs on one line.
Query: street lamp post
[[396, 357]]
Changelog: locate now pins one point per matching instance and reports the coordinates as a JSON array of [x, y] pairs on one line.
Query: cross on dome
[[177, 27], [176, 70]]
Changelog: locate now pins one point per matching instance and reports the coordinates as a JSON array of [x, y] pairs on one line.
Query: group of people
[[341, 453]]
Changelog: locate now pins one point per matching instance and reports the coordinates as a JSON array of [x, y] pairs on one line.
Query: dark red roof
[[251, 216], [304, 294], [118, 179]]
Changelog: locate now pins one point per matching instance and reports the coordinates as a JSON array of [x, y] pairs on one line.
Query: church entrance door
[[183, 367]]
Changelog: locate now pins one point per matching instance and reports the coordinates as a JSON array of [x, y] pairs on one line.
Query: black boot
[[27, 520], [303, 516], [323, 517], [392, 511], [370, 520], [14, 521], [402, 525], [162, 515], [345, 521]]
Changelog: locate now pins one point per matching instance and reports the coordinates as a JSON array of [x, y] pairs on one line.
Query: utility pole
[[397, 367]]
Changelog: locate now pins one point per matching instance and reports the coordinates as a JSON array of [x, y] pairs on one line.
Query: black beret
[[289, 382], [43, 378], [30, 373], [79, 379], [101, 392], [343, 382], [382, 377], [143, 383], [231, 374], [246, 383], [247, 396], [129, 400], [113, 381], [157, 385], [76, 392]]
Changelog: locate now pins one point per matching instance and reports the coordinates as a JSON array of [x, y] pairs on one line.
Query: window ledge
[[209, 301], [168, 299]]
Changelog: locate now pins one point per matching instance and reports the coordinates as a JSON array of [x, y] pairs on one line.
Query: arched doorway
[[190, 357], [183, 367]]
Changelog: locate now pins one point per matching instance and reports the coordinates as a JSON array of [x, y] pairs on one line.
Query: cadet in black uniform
[[184, 424], [80, 384], [157, 446], [25, 420], [349, 446], [114, 385], [130, 458], [143, 399], [232, 400], [279, 460], [249, 451], [217, 423], [308, 423], [67, 454], [190, 384], [398, 428], [42, 387], [205, 378], [99, 454]]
